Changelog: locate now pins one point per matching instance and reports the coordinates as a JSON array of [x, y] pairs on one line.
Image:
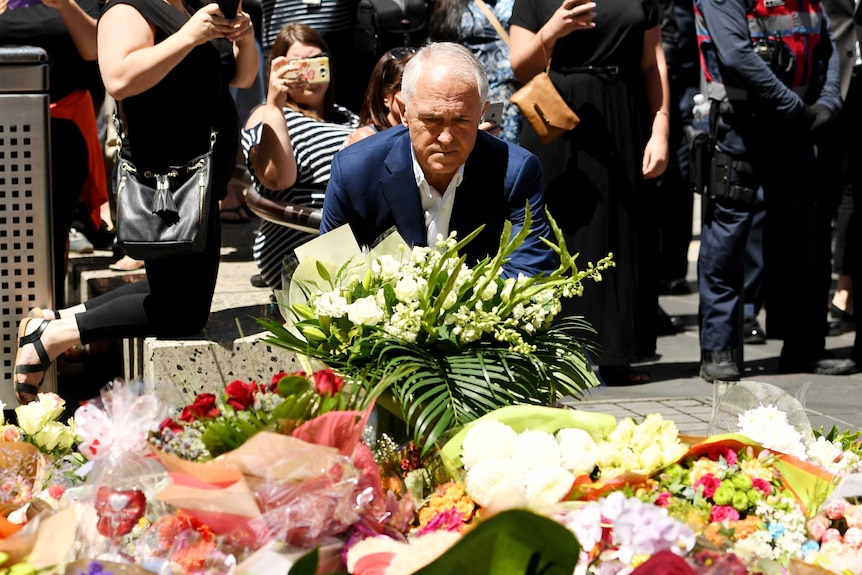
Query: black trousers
[[174, 300]]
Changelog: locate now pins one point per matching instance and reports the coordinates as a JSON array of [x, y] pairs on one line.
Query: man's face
[[443, 118]]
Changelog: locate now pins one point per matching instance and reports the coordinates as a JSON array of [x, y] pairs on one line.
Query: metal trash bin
[[26, 254]]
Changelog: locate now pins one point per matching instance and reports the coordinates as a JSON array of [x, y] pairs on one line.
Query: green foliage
[[513, 542]]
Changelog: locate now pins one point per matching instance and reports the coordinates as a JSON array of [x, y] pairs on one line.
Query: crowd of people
[[405, 144]]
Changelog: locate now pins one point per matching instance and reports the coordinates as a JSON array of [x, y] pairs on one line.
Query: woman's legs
[[173, 301]]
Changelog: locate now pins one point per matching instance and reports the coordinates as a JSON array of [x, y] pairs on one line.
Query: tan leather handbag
[[543, 107]]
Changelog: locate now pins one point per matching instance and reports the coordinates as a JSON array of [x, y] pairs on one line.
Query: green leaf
[[307, 564], [514, 542]]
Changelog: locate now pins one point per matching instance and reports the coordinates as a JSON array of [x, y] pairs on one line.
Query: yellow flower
[[33, 416], [703, 467], [755, 469]]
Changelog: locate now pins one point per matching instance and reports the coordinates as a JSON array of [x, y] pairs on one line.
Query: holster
[[720, 186], [701, 148]]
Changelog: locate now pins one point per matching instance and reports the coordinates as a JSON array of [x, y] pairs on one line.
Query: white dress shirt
[[437, 207]]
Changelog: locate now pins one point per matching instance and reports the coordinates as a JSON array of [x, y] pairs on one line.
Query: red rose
[[273, 385], [327, 383], [664, 563], [664, 498], [204, 407], [761, 485], [710, 483], [723, 513], [169, 423], [240, 394]]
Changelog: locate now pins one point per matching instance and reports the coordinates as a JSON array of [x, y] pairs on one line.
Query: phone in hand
[[314, 70], [494, 113], [229, 8]]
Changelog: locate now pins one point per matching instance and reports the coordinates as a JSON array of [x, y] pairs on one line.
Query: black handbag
[[163, 215]]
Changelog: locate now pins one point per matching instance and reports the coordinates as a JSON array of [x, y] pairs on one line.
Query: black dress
[[592, 175]]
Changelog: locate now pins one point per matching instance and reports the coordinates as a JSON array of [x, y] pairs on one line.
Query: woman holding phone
[[289, 141], [606, 60], [169, 65]]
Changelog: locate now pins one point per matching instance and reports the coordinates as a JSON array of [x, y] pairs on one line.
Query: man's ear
[[399, 101]]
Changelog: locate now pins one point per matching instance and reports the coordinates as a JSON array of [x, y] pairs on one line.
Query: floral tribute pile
[[281, 478]]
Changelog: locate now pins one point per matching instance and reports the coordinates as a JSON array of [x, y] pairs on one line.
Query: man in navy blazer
[[441, 173]]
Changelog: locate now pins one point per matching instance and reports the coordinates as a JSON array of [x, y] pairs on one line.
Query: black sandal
[[27, 392], [39, 313]]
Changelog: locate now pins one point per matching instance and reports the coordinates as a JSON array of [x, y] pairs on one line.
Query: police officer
[[772, 78]]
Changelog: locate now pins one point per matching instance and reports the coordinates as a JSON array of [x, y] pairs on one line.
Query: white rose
[[622, 433], [365, 311], [536, 449], [545, 486], [495, 480], [49, 437], [33, 416], [652, 459], [578, 451], [386, 267], [487, 439], [407, 289], [331, 304]]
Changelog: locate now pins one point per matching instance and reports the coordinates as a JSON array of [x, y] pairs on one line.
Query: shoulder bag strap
[[489, 14]]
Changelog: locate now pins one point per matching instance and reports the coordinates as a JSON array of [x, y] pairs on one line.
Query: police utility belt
[[717, 174]]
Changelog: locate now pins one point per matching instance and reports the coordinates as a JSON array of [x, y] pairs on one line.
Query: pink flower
[[835, 509], [817, 526], [730, 457], [449, 520], [10, 434], [240, 394], [327, 383], [710, 483], [373, 564], [831, 534], [663, 499], [56, 491], [720, 513], [761, 485]]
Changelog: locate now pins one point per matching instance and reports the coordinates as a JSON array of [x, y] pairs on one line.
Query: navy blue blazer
[[372, 188]]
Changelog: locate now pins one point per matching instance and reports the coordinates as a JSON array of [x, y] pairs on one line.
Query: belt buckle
[[612, 70]]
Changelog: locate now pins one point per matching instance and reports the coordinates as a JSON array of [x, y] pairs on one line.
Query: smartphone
[[229, 8], [314, 70], [494, 113]]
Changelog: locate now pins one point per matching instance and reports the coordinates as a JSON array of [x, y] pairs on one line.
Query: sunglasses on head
[[401, 52]]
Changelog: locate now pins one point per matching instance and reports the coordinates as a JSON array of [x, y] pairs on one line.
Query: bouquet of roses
[[212, 425], [281, 462], [450, 341]]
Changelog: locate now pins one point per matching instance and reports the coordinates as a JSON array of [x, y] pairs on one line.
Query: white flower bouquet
[[450, 342]]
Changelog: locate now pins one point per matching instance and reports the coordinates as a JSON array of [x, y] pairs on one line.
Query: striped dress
[[326, 17], [314, 144]]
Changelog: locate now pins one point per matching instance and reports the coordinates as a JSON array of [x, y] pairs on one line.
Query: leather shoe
[[826, 365], [668, 325], [752, 332], [719, 365]]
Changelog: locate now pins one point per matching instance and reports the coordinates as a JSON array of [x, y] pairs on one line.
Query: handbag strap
[[544, 52], [495, 22]]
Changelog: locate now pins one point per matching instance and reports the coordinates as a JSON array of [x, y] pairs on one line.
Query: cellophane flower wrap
[[118, 500], [446, 341], [297, 472]]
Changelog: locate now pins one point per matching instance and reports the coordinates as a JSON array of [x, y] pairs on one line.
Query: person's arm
[[360, 133], [529, 51], [273, 159], [130, 60], [81, 26], [244, 50], [654, 73], [741, 67], [533, 257]]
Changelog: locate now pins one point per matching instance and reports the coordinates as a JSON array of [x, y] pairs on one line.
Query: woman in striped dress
[[289, 142]]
